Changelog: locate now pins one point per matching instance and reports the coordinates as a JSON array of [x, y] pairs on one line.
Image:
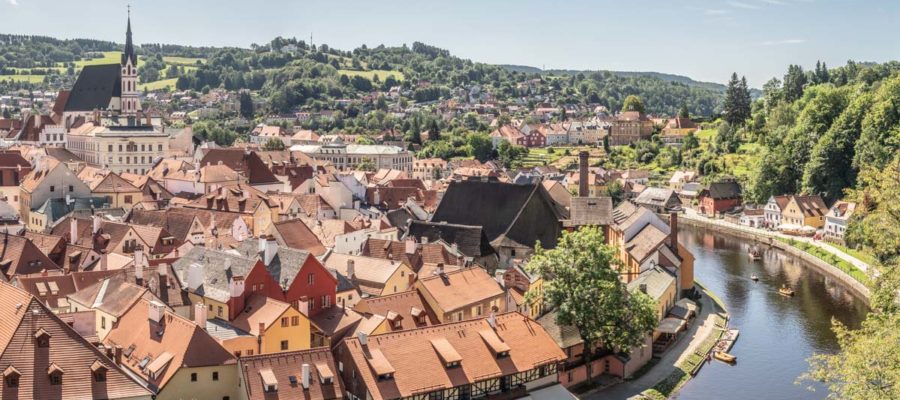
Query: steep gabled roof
[[68, 351], [470, 240], [95, 87], [281, 367]]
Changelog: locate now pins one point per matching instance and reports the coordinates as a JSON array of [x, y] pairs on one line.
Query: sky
[[704, 39]]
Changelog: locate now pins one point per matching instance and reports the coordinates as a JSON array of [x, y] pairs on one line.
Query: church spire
[[129, 46]]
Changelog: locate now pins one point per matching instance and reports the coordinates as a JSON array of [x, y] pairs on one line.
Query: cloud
[[746, 6], [715, 12], [775, 2], [783, 42], [14, 2]]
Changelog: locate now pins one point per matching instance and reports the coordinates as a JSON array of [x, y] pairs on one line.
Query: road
[[702, 327]]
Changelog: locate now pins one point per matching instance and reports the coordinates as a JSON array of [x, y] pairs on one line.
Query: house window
[[193, 377], [284, 322], [295, 320], [127, 199], [215, 375], [12, 381], [71, 188], [326, 301], [102, 322], [310, 279], [284, 345], [219, 311], [100, 376], [56, 379], [52, 188]]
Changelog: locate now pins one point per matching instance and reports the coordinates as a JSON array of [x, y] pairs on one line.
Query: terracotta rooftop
[[457, 289], [417, 358], [404, 310], [284, 371]]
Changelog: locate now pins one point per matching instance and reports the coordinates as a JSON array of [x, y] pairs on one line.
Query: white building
[[350, 156], [131, 149], [836, 221]]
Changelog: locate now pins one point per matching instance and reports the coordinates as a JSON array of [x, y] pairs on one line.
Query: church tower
[[130, 101]]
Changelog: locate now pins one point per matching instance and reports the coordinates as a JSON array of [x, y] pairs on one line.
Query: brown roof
[[104, 181], [19, 256], [247, 163], [260, 309], [645, 242], [35, 177], [281, 367], [406, 308], [113, 295], [508, 132], [413, 356], [167, 166], [296, 235], [238, 198], [457, 289], [782, 201], [336, 321], [188, 344], [68, 351], [811, 205], [54, 289]]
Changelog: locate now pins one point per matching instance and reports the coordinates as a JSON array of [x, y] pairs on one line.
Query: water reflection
[[778, 334]]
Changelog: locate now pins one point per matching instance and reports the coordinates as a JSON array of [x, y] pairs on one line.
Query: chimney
[[163, 270], [262, 329], [262, 244], [303, 306], [304, 371], [139, 265], [492, 321], [200, 314], [423, 240], [95, 221], [195, 276], [37, 121], [410, 245], [673, 231], [271, 250], [363, 338], [440, 269], [643, 288], [118, 355], [104, 260], [156, 311], [583, 174], [73, 230], [236, 286], [351, 269]]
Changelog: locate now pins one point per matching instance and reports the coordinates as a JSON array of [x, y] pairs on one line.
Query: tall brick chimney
[[583, 174]]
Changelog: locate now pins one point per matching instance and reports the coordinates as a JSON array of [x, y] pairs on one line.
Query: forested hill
[[627, 74], [291, 74]]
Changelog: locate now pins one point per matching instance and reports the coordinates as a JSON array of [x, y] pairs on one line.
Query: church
[[110, 89]]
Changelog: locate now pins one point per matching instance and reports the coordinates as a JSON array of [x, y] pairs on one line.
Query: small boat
[[786, 291], [724, 357], [755, 254], [754, 278]]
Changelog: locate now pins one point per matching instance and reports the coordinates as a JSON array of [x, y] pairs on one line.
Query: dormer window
[[11, 377], [42, 338], [98, 371], [55, 373]]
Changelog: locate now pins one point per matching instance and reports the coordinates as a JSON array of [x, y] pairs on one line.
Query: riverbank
[[777, 241], [677, 364]]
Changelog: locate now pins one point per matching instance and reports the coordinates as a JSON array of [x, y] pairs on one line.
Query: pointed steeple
[[129, 46]]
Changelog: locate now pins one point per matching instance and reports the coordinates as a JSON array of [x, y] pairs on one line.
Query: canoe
[[724, 357], [785, 291]]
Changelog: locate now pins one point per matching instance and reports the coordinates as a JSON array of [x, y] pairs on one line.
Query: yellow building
[[805, 211], [109, 299], [373, 276], [518, 283], [462, 294], [172, 355], [277, 325], [121, 193]]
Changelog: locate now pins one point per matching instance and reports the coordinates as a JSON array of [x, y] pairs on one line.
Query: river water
[[777, 334]]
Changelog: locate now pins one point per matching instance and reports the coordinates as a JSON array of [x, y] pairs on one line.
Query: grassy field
[[109, 57], [861, 255], [159, 85], [183, 60], [23, 78], [382, 74]]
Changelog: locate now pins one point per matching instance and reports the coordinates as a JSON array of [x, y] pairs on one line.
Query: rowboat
[[786, 291], [754, 254], [754, 278], [724, 357]]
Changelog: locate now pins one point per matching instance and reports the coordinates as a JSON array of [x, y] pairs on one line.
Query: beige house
[[118, 148], [805, 211], [373, 276], [49, 179], [122, 194], [463, 294]]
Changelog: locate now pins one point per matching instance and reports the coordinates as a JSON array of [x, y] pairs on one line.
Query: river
[[777, 334]]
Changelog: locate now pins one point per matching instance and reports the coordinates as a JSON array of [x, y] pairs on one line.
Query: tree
[[247, 109], [794, 82], [633, 103], [366, 164], [690, 142], [479, 146], [683, 112], [581, 280], [509, 154], [434, 130], [737, 101], [273, 144]]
